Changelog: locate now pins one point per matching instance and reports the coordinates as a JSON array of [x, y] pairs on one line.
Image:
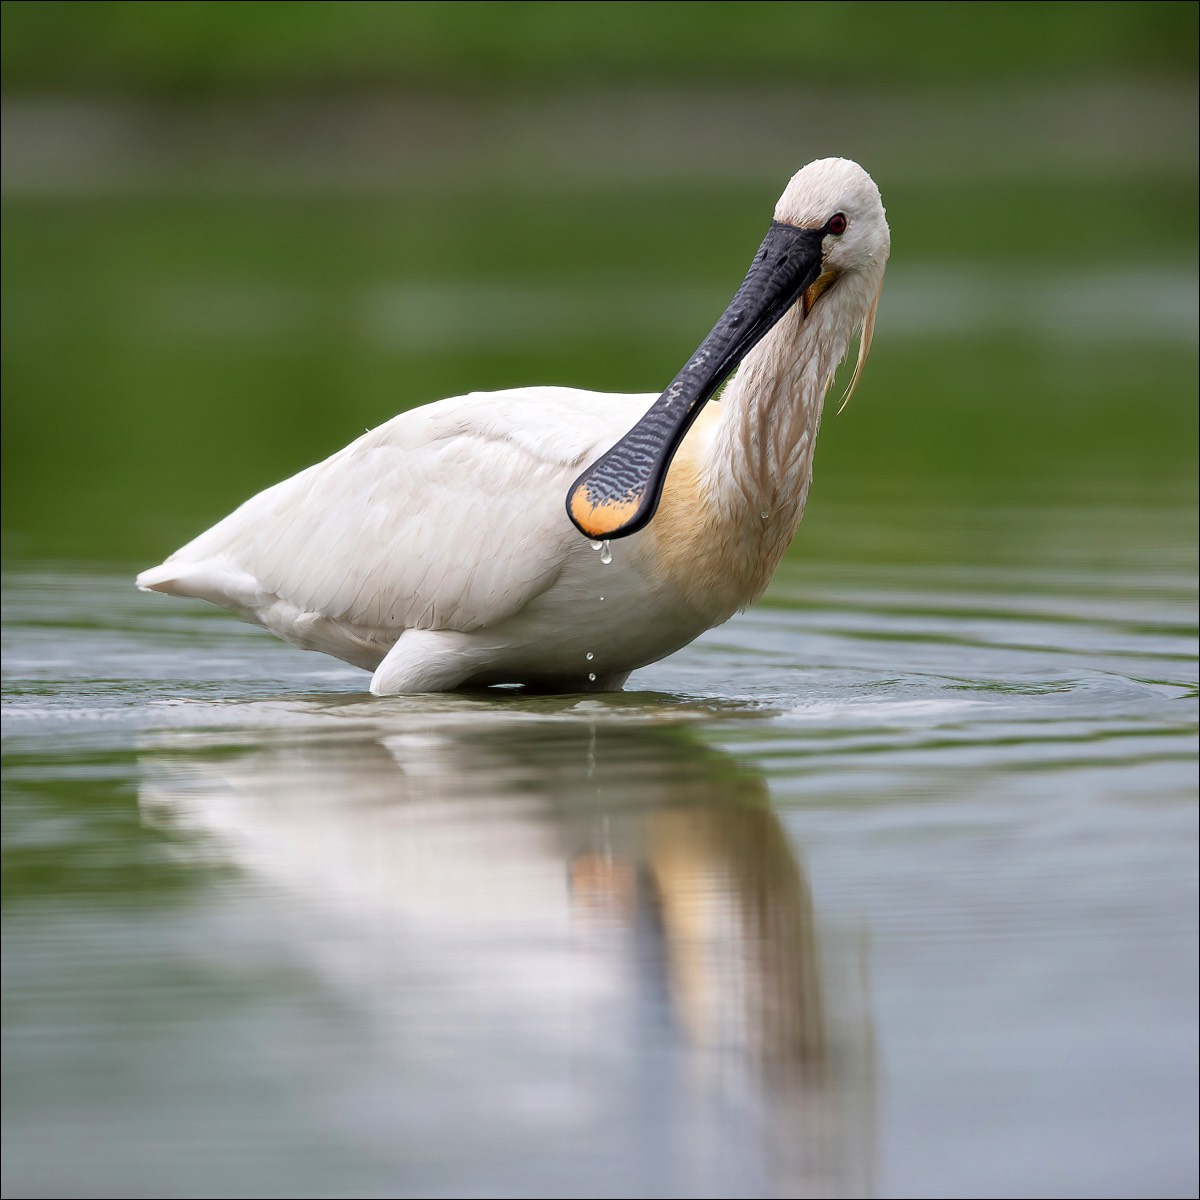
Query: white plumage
[[436, 550]]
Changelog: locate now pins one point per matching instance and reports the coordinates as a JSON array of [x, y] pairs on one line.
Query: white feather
[[435, 550]]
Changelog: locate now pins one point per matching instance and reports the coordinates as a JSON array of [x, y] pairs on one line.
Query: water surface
[[886, 887]]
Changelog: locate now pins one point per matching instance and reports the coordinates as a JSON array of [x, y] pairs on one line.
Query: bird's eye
[[836, 224]]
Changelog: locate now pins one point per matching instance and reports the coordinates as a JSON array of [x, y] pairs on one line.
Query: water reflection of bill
[[590, 929]]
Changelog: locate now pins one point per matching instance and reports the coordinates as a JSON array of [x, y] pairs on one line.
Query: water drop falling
[[592, 676], [601, 597], [590, 656], [605, 553]]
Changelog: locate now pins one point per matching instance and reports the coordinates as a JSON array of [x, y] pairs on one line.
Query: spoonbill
[[435, 551]]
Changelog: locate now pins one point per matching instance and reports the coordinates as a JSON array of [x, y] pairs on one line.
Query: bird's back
[[448, 516]]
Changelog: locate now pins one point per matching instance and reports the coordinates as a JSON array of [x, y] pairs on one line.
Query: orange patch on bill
[[601, 520]]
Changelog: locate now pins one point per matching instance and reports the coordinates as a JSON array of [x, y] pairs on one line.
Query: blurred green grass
[[235, 235], [193, 47], [169, 355]]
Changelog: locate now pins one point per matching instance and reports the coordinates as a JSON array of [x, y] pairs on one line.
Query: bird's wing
[[446, 517]]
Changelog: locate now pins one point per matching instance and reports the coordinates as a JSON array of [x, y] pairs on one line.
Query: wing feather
[[446, 517]]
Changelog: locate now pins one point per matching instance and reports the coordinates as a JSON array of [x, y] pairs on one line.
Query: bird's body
[[411, 530], [434, 550]]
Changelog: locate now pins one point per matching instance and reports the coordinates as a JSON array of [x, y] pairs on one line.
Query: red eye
[[837, 224]]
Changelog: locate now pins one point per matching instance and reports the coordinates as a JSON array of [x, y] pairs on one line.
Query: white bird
[[435, 551]]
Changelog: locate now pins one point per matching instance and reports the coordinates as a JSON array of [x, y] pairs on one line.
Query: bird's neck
[[760, 464], [759, 468], [737, 489]]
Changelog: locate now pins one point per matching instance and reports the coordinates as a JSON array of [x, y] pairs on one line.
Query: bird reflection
[[617, 898]]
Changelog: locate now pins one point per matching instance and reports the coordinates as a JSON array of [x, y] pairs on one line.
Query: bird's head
[[829, 187], [825, 252], [837, 203]]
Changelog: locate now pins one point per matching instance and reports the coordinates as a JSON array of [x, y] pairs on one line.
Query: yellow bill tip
[[603, 520]]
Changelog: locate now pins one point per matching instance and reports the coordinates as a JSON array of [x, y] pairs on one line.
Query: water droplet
[[596, 545], [591, 676], [590, 656], [601, 597], [766, 516], [605, 553]]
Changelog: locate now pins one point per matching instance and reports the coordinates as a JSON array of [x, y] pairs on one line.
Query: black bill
[[619, 493]]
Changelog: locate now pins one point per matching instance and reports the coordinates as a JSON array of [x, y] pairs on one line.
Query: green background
[[235, 235]]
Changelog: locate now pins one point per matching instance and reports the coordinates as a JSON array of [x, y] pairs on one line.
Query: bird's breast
[[715, 545]]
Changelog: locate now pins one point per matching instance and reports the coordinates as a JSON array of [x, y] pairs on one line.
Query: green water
[[887, 887]]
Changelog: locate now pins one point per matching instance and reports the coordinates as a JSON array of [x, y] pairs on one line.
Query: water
[[887, 887]]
